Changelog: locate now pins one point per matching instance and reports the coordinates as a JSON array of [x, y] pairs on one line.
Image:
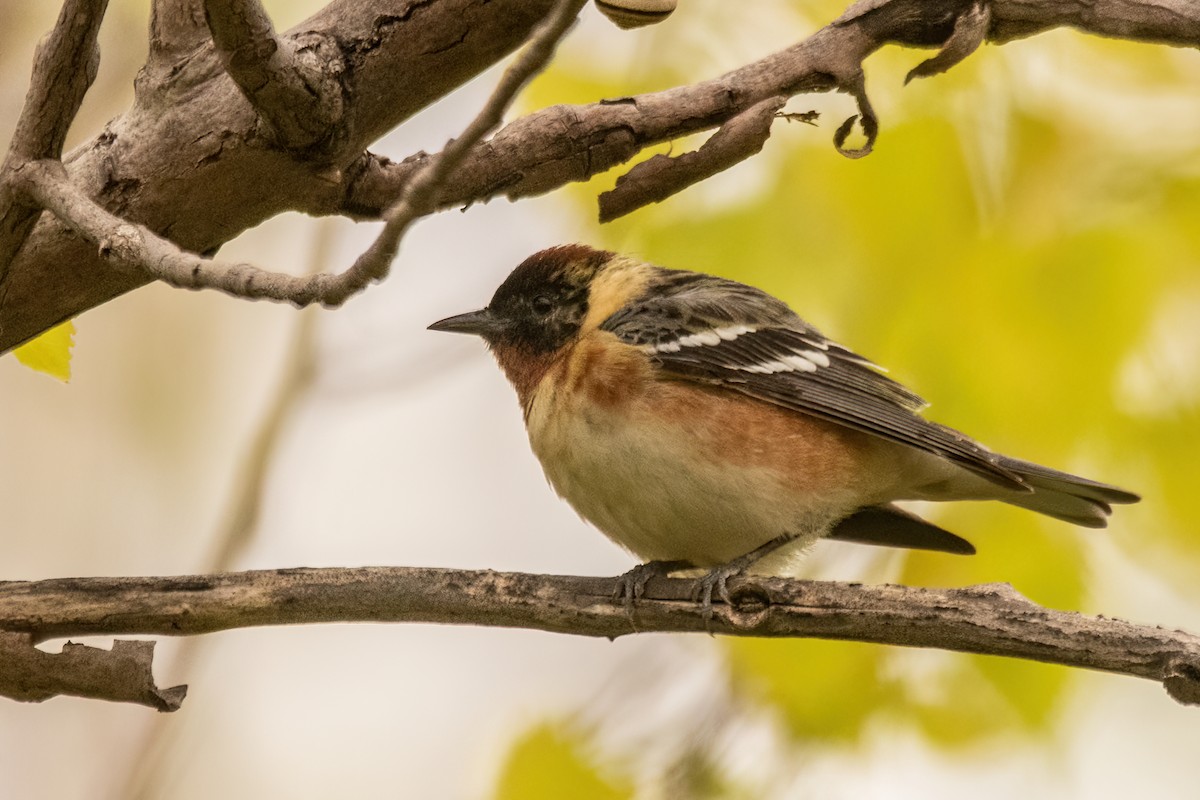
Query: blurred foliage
[[51, 352], [548, 761], [1022, 248], [768, 671]]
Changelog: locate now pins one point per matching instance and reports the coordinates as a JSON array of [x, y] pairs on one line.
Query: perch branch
[[991, 619]]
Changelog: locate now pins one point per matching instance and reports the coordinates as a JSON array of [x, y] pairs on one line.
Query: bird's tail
[[1064, 496]]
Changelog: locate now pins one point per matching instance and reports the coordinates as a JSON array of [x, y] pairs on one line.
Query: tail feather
[[891, 526], [1064, 496]]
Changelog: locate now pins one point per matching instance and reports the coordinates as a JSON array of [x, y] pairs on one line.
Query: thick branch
[[416, 199], [295, 91], [189, 163], [991, 619], [64, 67], [189, 160], [561, 144], [545, 150], [135, 248]]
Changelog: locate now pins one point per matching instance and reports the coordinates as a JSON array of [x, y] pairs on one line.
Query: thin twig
[[530, 156], [417, 197], [135, 247]]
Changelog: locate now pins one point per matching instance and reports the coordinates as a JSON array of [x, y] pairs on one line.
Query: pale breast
[[674, 470]]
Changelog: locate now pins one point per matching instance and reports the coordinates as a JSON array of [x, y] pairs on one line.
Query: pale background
[[407, 449]]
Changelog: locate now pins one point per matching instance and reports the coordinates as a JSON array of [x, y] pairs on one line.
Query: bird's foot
[[717, 580], [632, 585]]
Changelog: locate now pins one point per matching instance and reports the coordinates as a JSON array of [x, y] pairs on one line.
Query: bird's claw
[[715, 581], [632, 585]]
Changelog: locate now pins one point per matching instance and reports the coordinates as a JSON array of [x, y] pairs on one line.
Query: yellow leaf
[[51, 352]]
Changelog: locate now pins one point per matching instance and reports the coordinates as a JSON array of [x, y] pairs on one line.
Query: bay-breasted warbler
[[700, 422]]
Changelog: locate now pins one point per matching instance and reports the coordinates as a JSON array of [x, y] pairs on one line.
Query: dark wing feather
[[711, 330], [890, 526]]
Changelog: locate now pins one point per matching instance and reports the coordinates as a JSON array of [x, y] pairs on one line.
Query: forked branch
[[64, 67], [325, 90], [132, 247], [298, 97]]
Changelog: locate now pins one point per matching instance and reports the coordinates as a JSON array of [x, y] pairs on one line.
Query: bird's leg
[[718, 578], [632, 584]]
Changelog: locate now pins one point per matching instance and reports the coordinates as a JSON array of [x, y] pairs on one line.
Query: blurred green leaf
[[549, 762], [1018, 255], [824, 690]]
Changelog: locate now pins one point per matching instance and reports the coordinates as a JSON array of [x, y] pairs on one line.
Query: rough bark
[[990, 619], [193, 162]]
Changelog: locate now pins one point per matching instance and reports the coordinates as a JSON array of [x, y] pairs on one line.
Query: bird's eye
[[542, 305]]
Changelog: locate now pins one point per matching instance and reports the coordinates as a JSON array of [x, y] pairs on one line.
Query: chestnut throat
[[524, 369]]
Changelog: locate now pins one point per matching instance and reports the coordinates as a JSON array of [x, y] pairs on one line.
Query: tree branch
[[991, 619], [416, 199], [291, 81], [189, 160], [191, 143], [120, 675], [177, 27], [56, 90], [135, 248], [1170, 22], [661, 176], [547, 149]]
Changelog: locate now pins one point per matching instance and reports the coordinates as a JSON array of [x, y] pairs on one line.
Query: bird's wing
[[716, 331]]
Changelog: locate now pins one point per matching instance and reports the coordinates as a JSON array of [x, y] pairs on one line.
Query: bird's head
[[541, 306]]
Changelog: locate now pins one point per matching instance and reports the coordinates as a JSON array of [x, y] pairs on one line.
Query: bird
[[701, 424]]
